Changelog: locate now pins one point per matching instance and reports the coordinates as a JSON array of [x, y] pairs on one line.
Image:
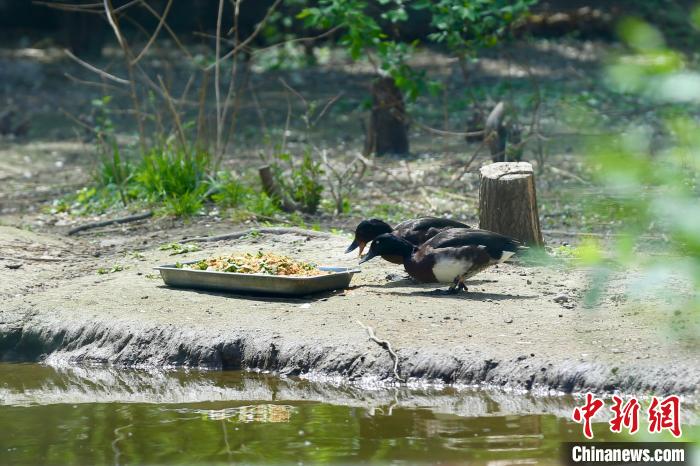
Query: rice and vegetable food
[[263, 262]]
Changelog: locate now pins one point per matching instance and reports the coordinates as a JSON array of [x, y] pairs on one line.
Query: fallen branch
[[387, 346], [103, 223], [273, 190], [567, 174], [262, 231], [35, 258]]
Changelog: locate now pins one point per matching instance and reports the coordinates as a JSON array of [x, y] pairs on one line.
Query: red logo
[[626, 415], [663, 414], [586, 412]]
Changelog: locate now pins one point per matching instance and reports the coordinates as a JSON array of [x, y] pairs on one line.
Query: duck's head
[[366, 231], [388, 245]]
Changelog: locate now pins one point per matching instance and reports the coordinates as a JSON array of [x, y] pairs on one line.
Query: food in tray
[[263, 263]]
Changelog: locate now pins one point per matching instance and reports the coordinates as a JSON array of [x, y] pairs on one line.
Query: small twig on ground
[[387, 346], [103, 223]]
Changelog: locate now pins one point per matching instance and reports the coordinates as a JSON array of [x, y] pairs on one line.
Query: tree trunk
[[508, 202], [388, 129]]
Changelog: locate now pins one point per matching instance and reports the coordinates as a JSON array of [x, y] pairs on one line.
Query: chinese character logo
[[662, 414], [586, 412], [665, 414]]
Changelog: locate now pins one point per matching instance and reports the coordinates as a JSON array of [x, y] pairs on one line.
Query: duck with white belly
[[451, 256]]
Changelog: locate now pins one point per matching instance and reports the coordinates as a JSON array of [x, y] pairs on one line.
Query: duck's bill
[[370, 255], [354, 245]]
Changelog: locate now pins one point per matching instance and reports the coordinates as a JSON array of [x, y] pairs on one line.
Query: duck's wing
[[426, 223], [495, 243], [419, 230]]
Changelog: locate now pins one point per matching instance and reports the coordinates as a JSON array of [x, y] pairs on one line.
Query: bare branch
[[94, 69], [112, 22], [173, 36], [96, 8], [295, 92], [328, 105], [248, 40], [93, 83], [217, 73], [155, 33], [300, 39], [176, 116]]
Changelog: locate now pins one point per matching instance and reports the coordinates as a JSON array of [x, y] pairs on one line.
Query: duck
[[416, 231], [451, 256]]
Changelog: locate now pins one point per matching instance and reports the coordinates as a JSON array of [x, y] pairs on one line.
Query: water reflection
[[31, 384], [104, 416]]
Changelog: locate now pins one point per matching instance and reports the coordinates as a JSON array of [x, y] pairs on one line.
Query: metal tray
[[256, 283]]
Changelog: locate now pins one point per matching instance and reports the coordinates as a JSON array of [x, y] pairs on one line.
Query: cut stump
[[508, 202]]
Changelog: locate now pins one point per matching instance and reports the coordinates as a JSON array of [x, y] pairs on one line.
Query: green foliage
[[113, 169], [302, 182], [104, 127], [177, 248], [463, 27], [231, 192], [184, 205], [228, 190], [168, 173], [466, 27], [115, 268], [653, 192], [305, 185]]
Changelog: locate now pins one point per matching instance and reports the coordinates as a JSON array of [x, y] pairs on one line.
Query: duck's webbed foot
[[457, 286]]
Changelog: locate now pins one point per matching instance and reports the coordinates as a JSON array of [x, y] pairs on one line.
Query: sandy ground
[[519, 326]]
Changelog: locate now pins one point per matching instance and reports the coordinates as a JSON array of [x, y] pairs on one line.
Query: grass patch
[[169, 179]]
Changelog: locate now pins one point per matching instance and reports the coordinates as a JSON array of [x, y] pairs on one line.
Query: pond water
[[107, 416]]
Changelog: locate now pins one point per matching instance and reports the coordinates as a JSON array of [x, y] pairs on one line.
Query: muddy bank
[[508, 331]]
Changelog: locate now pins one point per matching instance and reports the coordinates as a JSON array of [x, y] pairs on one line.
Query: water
[[107, 416]]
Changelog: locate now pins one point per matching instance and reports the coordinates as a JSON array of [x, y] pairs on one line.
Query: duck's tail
[[510, 248]]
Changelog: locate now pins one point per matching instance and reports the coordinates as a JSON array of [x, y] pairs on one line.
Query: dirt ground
[[519, 326]]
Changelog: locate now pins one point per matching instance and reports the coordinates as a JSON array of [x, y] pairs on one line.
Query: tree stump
[[508, 202], [388, 128]]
